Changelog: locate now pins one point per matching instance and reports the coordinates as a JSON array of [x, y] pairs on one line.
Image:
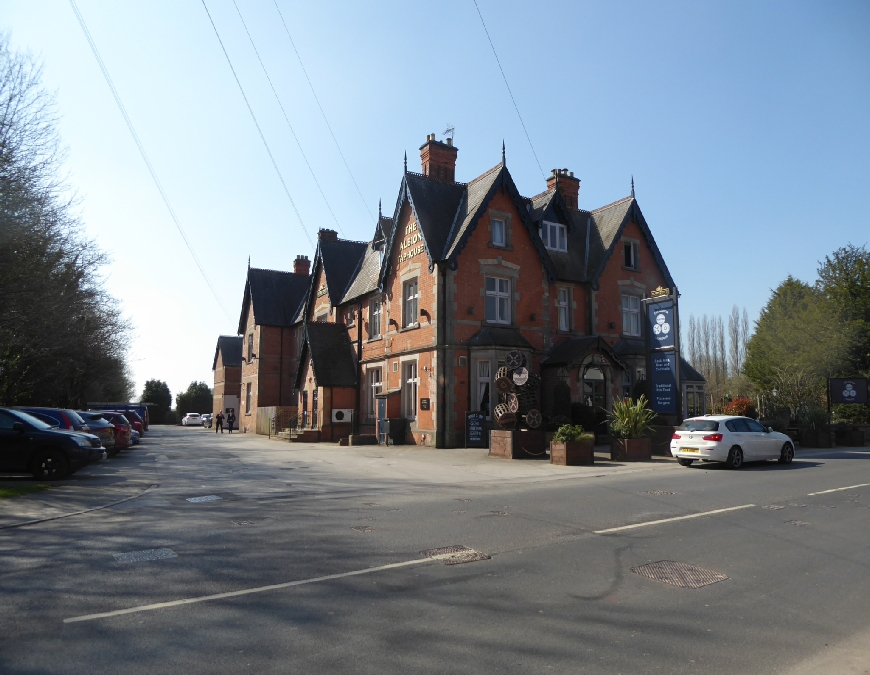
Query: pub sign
[[663, 382], [845, 390], [660, 316]]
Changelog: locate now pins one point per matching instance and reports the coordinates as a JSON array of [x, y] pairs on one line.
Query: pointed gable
[[274, 296], [331, 353], [229, 347]]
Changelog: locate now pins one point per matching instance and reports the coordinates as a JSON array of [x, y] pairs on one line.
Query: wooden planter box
[[517, 444], [630, 449], [816, 438], [572, 453]]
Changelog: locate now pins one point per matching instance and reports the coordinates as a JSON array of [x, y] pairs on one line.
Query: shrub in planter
[[629, 422], [741, 406], [572, 446]]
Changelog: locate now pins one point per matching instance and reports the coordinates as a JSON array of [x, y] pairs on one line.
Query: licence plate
[[689, 450]]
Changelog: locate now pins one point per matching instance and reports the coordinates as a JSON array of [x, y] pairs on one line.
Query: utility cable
[[328, 126], [142, 152], [257, 124], [513, 100], [286, 119]]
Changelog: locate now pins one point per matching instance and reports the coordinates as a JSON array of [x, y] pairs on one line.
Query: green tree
[[844, 279], [197, 398], [157, 392]]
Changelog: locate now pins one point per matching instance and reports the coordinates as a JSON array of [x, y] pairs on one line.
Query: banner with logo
[[660, 317], [663, 382], [845, 390]]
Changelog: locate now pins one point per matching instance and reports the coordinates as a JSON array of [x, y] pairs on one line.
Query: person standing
[[231, 419], [219, 422]]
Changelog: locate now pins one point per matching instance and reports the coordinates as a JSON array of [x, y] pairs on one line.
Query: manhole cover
[[249, 522], [394, 510], [460, 512], [148, 554], [363, 528], [658, 492], [365, 518], [773, 507], [463, 500], [370, 504], [678, 574], [799, 523], [801, 505], [456, 554], [499, 513], [206, 498], [829, 506]]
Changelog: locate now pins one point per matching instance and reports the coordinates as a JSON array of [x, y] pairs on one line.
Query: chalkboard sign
[[476, 432]]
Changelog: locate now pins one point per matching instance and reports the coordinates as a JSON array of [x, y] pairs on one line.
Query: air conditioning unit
[[342, 415]]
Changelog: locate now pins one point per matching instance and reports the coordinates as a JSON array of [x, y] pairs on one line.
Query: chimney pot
[[568, 185], [327, 235], [449, 141], [301, 265], [439, 159]]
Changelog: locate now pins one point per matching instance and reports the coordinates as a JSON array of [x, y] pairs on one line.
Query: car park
[[730, 439], [27, 444], [207, 420], [66, 419], [101, 427], [191, 420]]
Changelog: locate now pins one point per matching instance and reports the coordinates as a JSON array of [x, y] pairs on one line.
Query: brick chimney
[[327, 235], [569, 187], [438, 159], [301, 265]]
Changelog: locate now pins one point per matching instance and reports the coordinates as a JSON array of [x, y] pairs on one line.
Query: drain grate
[[458, 554], [370, 504], [803, 506], [206, 498], [462, 500], [460, 511], [678, 574], [363, 528], [249, 522], [658, 492], [798, 523], [499, 513], [148, 554], [773, 507]]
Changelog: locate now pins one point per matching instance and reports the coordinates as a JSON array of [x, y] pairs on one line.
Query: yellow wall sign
[[410, 245], [321, 291]]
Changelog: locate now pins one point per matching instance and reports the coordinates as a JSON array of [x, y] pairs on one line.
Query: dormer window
[[554, 236]]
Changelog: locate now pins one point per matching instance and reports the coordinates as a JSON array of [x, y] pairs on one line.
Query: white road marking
[[249, 591], [671, 520], [824, 492]]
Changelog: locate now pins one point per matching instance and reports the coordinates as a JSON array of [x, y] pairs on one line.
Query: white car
[[730, 439], [191, 420]]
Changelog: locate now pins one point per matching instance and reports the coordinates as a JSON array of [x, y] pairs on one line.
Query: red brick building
[[461, 274], [227, 367]]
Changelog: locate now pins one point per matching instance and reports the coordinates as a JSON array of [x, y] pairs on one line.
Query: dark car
[[66, 419], [99, 426], [28, 444]]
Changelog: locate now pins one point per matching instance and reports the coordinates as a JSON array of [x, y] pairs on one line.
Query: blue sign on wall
[[663, 381], [662, 329]]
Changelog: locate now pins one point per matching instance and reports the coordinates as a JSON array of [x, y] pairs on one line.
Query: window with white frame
[[409, 390], [374, 382], [499, 235], [554, 236], [631, 315], [410, 296], [375, 313], [498, 300], [484, 381], [562, 303], [629, 255]]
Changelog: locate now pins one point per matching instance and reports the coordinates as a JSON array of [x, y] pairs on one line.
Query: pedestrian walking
[[219, 422], [231, 420]]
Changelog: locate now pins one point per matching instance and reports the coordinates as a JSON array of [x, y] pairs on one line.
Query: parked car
[[134, 437], [207, 420], [122, 428], [139, 409], [101, 427], [28, 444], [135, 420], [730, 439], [66, 419], [191, 420]]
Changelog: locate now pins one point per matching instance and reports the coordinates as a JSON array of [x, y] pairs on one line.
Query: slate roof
[[435, 204], [688, 373], [469, 208], [571, 265], [570, 350], [383, 229], [340, 260], [230, 349], [276, 297], [332, 355], [492, 336], [365, 277]]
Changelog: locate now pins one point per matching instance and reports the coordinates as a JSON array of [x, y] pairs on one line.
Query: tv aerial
[[449, 131]]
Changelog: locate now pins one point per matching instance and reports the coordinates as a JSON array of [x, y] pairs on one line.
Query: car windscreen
[[699, 425], [30, 419], [74, 417]]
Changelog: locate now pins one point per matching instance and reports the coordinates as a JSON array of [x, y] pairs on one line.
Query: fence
[[272, 419]]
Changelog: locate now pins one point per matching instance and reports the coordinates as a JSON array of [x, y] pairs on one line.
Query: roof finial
[[502, 152], [406, 161], [632, 185], [249, 262], [380, 213]]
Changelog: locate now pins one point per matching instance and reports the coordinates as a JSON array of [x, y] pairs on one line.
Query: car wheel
[[49, 464], [735, 458], [685, 462], [787, 454]]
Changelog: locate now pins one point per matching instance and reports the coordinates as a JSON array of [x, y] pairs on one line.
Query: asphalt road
[[557, 594]]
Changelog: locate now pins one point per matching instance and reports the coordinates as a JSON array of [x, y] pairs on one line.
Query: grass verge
[[21, 490]]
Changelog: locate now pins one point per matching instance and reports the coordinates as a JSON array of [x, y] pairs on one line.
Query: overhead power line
[[142, 152], [286, 119], [513, 100], [328, 126], [257, 124]]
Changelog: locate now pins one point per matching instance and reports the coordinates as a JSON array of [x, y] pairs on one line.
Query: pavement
[[307, 558]]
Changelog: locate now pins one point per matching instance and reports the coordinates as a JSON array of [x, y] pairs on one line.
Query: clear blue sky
[[746, 126]]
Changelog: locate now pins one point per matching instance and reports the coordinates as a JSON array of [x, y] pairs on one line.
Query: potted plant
[[571, 446], [629, 421]]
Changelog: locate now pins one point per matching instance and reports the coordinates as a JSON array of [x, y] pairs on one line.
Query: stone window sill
[[413, 326], [501, 248]]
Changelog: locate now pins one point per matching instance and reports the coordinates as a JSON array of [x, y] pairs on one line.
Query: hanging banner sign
[[663, 382], [845, 390], [660, 316]]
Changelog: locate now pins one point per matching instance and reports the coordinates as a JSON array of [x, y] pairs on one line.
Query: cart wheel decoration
[[520, 376], [533, 418], [514, 359], [512, 403]]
